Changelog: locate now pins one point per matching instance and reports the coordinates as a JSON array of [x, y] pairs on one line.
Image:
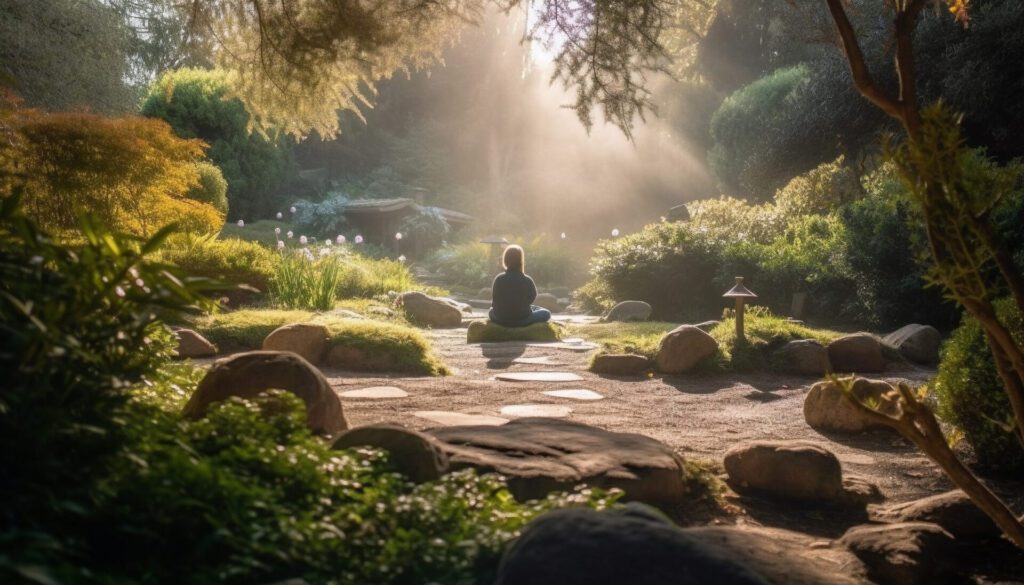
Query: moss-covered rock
[[488, 332]]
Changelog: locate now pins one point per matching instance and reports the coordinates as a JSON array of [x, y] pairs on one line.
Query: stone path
[[700, 415]]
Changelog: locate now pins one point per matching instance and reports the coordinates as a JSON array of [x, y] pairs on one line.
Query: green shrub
[[426, 229], [971, 395], [79, 325], [822, 189], [669, 265], [212, 187], [465, 265], [403, 348], [324, 219], [727, 220], [231, 260]]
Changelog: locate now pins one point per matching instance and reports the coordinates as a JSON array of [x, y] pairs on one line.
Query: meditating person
[[513, 293]]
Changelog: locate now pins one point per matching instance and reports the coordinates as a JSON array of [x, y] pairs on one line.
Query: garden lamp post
[[740, 293], [497, 244]]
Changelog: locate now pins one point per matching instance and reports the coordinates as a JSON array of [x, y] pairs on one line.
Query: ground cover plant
[[404, 347]]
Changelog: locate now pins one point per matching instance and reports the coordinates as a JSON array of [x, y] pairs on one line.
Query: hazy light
[[615, 233], [241, 223], [279, 215], [398, 236], [563, 235], [292, 209]]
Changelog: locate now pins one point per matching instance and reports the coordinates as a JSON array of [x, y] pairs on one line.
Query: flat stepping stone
[[544, 410], [576, 394], [538, 377], [454, 419], [376, 393], [539, 361]]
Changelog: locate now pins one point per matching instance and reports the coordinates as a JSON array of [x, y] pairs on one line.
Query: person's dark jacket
[[512, 295]]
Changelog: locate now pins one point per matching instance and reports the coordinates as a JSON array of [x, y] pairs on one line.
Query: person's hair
[[513, 258]]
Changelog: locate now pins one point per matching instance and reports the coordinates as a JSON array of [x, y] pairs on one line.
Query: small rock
[[917, 343], [416, 455], [629, 311], [858, 352], [806, 357], [193, 345], [796, 470], [682, 348], [306, 339], [547, 301], [626, 364], [827, 408], [429, 311], [953, 511], [909, 553], [541, 455], [634, 545], [248, 374]]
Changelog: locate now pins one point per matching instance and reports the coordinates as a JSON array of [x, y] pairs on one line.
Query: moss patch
[[383, 346], [487, 332], [636, 337], [763, 334]]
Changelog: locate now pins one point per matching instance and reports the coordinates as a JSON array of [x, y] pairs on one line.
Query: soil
[[700, 415]]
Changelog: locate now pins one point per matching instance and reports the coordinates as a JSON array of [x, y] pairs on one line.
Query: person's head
[[513, 258]]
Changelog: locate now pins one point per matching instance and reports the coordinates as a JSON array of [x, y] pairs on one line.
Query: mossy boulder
[[489, 332]]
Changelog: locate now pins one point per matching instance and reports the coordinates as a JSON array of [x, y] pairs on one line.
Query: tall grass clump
[[763, 333], [231, 260], [304, 281]]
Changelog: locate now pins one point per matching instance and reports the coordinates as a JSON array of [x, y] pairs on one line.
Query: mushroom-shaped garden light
[[740, 293]]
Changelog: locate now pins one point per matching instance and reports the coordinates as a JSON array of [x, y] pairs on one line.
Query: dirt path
[[700, 415]]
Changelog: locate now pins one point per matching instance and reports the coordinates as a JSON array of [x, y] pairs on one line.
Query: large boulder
[[908, 553], [429, 311], [489, 332], [952, 510], [248, 374], [682, 348], [192, 345], [793, 470], [541, 455], [547, 301], [306, 339], [827, 408], [917, 343], [805, 357], [620, 364], [635, 545], [629, 311], [857, 352], [416, 455]]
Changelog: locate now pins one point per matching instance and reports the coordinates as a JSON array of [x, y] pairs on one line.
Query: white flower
[[280, 244], [290, 233], [401, 258], [328, 242], [279, 215], [277, 230], [341, 239], [303, 240], [241, 223], [615, 233], [292, 209], [358, 240], [307, 254], [398, 236], [119, 291], [324, 252]]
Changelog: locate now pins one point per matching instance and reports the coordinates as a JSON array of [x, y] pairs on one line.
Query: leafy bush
[[822, 189], [465, 265], [426, 229], [131, 172], [78, 327], [195, 102], [884, 249], [669, 265], [212, 187], [325, 219], [727, 220], [231, 260], [402, 347], [970, 392]]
